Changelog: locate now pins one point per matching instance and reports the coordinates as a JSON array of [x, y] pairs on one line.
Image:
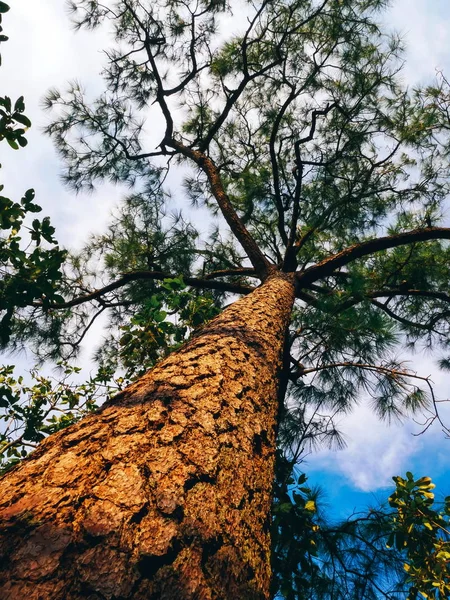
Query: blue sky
[[43, 52]]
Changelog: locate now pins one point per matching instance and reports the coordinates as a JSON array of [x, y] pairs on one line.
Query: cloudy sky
[[45, 52]]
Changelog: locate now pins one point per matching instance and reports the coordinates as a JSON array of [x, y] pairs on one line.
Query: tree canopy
[[341, 178], [290, 125]]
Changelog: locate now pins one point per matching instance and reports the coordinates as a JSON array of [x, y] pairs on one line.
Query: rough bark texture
[[165, 492]]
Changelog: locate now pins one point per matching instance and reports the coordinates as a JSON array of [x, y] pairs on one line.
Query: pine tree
[[330, 178]]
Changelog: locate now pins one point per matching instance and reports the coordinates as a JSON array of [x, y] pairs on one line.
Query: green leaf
[[6, 101], [20, 107], [21, 118], [160, 316]]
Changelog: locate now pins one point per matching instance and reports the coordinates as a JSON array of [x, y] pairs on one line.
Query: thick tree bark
[[165, 492]]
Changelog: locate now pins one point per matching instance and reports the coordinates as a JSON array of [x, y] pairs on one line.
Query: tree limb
[[247, 271], [330, 264], [126, 278], [383, 306], [260, 263]]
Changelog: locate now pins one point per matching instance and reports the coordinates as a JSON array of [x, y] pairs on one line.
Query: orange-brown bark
[[165, 492]]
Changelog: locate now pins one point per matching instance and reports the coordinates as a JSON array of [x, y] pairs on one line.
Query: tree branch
[[160, 92], [234, 96], [383, 306], [126, 278], [368, 367], [409, 292], [275, 169], [330, 264], [312, 130], [247, 271], [392, 292], [260, 263]]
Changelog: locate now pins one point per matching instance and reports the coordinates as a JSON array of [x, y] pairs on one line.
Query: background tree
[[29, 272], [331, 179], [393, 553]]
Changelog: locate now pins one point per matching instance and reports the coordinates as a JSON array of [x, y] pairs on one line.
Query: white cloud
[[376, 451], [373, 454], [44, 52], [425, 28]]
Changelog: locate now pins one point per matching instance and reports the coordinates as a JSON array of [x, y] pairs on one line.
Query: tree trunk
[[165, 492]]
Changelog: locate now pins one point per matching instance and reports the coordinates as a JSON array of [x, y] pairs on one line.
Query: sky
[[44, 52]]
